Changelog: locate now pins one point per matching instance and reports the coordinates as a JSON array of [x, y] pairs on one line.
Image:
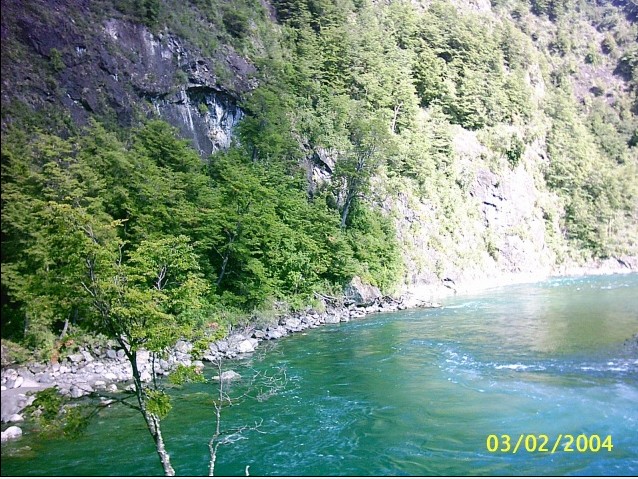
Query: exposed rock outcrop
[[90, 64], [361, 293]]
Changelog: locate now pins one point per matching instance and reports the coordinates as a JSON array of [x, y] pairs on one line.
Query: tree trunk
[[346, 206], [153, 423], [397, 108]]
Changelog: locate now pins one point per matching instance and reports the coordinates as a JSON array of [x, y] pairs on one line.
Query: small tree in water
[[145, 300], [148, 301]]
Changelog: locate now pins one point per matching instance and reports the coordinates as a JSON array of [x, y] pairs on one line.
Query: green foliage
[[236, 22], [593, 186], [374, 245], [13, 353], [47, 403], [185, 374], [157, 402], [202, 108], [515, 151], [141, 238], [56, 60]]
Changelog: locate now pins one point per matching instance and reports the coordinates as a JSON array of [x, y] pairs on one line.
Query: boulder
[[16, 418], [76, 358], [12, 432], [198, 365], [45, 378], [80, 390], [276, 332], [246, 346], [227, 376], [361, 293], [183, 347], [292, 324], [111, 353]]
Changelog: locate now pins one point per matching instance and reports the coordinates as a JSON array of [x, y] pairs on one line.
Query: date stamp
[[543, 443]]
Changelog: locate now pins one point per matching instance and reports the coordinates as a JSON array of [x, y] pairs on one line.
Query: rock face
[[361, 293], [228, 376], [107, 66], [203, 114], [13, 432], [496, 228]]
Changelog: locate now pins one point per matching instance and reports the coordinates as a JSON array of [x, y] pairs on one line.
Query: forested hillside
[[258, 154]]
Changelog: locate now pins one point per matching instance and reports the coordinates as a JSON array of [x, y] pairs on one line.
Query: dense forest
[[105, 217]]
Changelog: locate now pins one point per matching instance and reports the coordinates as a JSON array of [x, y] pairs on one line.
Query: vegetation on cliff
[[368, 93]]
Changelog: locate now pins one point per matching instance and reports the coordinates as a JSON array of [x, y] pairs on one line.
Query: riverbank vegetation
[[100, 218]]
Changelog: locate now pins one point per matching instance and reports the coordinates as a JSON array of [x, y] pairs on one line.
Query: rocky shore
[[91, 370], [95, 369]]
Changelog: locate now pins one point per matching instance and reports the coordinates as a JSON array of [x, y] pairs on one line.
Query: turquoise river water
[[411, 393]]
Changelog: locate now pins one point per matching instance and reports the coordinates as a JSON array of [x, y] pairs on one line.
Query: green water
[[409, 393]]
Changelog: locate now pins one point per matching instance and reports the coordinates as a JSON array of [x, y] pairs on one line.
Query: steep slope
[[417, 145]]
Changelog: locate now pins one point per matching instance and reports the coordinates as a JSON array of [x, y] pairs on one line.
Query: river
[[416, 392]]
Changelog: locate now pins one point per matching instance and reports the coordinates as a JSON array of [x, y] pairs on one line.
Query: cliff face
[[496, 217], [65, 56]]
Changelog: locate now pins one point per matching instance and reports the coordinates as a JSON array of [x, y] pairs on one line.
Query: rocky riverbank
[[95, 369]]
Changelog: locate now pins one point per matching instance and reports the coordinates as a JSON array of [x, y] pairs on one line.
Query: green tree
[[368, 144], [148, 300]]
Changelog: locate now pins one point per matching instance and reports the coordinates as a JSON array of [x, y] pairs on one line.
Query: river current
[[416, 392]]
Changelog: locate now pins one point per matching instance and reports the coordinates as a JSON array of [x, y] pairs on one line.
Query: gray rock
[[235, 340], [18, 382], [44, 378], [246, 346], [111, 388], [37, 368], [222, 346], [76, 358], [228, 376], [12, 432], [78, 391], [146, 377], [276, 333], [87, 356], [198, 364], [333, 318], [16, 418], [361, 293], [121, 354], [111, 353], [183, 347], [292, 324]]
